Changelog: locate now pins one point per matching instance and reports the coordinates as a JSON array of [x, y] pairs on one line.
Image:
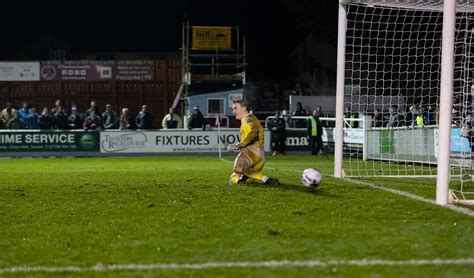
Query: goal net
[[392, 90]]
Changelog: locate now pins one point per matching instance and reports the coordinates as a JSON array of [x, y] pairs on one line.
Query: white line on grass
[[463, 210], [265, 264]]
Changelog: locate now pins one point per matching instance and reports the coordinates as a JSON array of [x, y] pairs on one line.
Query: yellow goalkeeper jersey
[[251, 131]]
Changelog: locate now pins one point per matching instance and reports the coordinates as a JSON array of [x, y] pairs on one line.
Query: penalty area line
[[462, 210], [264, 264]]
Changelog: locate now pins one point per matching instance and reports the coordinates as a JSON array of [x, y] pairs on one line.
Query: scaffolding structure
[[213, 64]]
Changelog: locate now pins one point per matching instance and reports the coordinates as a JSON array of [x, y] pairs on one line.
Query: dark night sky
[[271, 28]]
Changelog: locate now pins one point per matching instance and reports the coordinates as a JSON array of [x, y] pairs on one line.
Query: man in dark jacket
[[109, 118], [300, 111], [60, 119], [144, 119], [45, 120], [74, 121], [278, 129], [197, 119], [94, 108]]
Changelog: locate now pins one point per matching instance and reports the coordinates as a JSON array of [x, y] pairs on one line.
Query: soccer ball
[[311, 177]]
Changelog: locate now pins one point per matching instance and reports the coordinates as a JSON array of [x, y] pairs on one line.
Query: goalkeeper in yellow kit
[[251, 159]]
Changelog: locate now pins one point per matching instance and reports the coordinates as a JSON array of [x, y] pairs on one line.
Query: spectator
[[92, 122], [300, 111], [60, 120], [24, 111], [350, 117], [197, 119], [429, 115], [420, 121], [6, 114], [125, 121], [286, 116], [378, 119], [172, 120], [278, 132], [93, 107], [57, 104], [109, 118], [466, 130], [319, 110], [144, 119], [16, 122], [298, 90], [437, 115], [74, 121], [32, 121], [315, 133], [394, 118], [411, 116], [456, 111], [45, 121]]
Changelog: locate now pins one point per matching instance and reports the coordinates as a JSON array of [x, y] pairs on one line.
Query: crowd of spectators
[[57, 118], [417, 116]]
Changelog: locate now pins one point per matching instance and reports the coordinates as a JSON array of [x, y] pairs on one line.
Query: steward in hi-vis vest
[[315, 133]]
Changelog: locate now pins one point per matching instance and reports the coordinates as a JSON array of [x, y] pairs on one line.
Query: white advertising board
[[19, 71], [170, 141]]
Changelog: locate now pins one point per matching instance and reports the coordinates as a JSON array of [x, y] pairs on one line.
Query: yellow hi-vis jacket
[[314, 126], [419, 121]]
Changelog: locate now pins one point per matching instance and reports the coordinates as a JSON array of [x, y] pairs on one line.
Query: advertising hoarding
[[19, 71], [49, 141], [211, 38], [176, 141], [93, 71]]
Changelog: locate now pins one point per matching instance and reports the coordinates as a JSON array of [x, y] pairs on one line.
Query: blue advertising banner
[[459, 144]]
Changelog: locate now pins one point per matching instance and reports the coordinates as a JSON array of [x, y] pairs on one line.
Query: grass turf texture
[[145, 210]]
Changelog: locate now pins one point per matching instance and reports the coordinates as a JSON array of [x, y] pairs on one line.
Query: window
[[215, 106]]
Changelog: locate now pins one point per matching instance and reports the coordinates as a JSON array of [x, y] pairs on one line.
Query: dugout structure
[[419, 53]]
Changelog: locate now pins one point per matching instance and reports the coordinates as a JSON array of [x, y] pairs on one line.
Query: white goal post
[[421, 54]]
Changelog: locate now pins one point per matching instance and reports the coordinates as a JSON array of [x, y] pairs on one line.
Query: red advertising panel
[[94, 71], [134, 70]]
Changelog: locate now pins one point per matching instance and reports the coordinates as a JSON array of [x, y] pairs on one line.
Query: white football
[[311, 177]]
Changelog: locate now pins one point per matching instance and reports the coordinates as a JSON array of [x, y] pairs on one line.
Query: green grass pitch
[[177, 210]]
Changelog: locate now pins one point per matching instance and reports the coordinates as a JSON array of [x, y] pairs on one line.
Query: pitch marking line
[[463, 210], [210, 265]]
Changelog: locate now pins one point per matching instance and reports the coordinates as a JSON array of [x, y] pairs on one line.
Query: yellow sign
[[211, 38]]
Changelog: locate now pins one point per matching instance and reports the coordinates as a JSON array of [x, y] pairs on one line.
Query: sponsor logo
[[88, 142], [296, 141], [182, 140], [48, 72], [123, 141]]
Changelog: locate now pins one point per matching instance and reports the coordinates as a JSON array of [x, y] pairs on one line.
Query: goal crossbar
[[428, 5]]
